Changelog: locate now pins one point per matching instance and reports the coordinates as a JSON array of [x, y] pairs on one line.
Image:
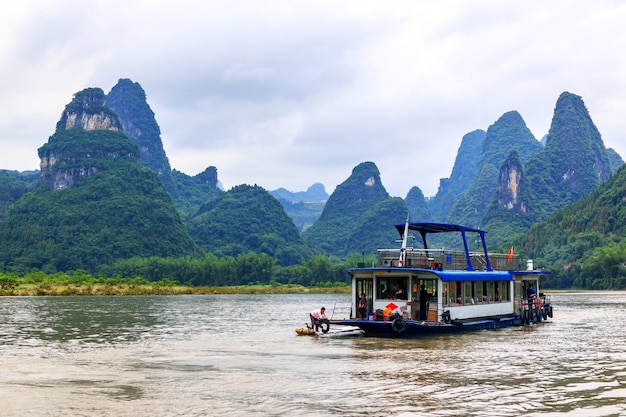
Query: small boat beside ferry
[[438, 285]]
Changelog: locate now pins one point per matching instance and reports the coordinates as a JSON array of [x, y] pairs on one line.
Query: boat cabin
[[444, 280]]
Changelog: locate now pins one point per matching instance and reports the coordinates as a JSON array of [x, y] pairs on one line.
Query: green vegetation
[[128, 100], [78, 283], [461, 179], [417, 206], [247, 218], [243, 269], [193, 192], [95, 208], [344, 209], [109, 208], [508, 213], [249, 273], [508, 134], [304, 207], [13, 185], [573, 163], [584, 244]]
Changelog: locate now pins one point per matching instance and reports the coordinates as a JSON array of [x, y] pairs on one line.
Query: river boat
[[443, 288]]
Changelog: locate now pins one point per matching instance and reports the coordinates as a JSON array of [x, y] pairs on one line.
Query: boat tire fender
[[324, 325], [550, 311], [446, 317], [398, 325]]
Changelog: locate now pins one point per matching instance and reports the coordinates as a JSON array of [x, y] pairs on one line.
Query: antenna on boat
[[405, 237]]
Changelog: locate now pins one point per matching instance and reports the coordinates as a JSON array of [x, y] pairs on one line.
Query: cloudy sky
[[289, 93]]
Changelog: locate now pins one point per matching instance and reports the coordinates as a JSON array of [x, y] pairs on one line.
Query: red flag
[[510, 256]]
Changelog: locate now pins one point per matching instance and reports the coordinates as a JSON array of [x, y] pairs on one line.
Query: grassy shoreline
[[99, 289]]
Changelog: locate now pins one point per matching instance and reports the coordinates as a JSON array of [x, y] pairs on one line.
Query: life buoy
[[400, 263], [398, 325], [446, 317]]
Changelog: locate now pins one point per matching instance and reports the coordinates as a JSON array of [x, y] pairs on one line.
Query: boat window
[[470, 293], [505, 291], [392, 288], [475, 292], [483, 294], [450, 297], [445, 290]]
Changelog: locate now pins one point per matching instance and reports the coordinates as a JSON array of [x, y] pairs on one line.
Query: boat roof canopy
[[424, 228], [448, 275], [451, 275]]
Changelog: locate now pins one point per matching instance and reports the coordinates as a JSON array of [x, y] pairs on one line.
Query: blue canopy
[[453, 275]]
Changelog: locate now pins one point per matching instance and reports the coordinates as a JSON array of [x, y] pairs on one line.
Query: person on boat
[[531, 292], [363, 307], [423, 300], [319, 314]]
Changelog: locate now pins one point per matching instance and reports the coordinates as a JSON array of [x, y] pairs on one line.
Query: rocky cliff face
[[462, 177], [509, 185], [510, 212], [68, 156], [88, 111], [574, 161], [128, 100], [95, 203], [509, 133]]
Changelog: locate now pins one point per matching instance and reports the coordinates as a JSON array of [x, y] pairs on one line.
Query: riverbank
[[98, 289], [77, 283]]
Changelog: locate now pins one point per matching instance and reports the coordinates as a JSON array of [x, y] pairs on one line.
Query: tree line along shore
[[38, 283]]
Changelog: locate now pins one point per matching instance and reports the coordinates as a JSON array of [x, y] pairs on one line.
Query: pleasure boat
[[419, 289]]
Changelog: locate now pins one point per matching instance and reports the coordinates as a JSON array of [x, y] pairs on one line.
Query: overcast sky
[[289, 93]]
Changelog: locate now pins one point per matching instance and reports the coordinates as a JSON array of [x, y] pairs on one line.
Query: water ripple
[[239, 355]]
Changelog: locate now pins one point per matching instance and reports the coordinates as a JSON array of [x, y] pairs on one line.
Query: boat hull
[[410, 329]]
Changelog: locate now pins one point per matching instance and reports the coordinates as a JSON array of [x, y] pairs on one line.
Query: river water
[[239, 355]]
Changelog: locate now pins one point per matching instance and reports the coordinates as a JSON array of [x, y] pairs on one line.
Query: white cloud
[[288, 93]]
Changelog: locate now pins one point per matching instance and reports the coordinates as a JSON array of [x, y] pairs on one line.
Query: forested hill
[[13, 185], [247, 219], [574, 161], [95, 203], [584, 244], [518, 180], [304, 207], [128, 100], [355, 203], [509, 133], [461, 179]]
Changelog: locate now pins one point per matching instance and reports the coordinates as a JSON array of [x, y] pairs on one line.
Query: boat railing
[[444, 259], [340, 311]]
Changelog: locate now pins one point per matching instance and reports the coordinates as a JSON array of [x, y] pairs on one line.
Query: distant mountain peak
[[128, 100], [353, 198], [88, 111], [89, 138], [315, 193]]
